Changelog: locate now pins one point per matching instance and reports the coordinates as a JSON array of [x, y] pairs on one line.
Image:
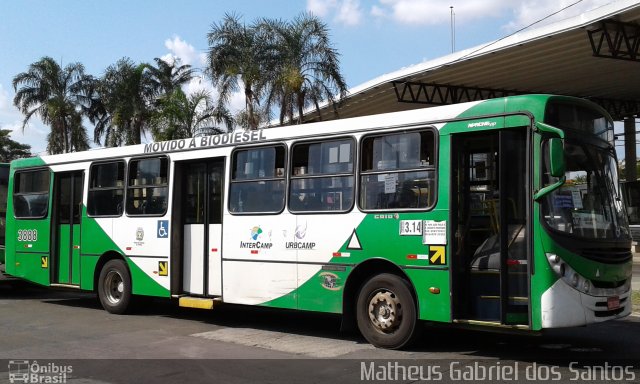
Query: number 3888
[[27, 235]]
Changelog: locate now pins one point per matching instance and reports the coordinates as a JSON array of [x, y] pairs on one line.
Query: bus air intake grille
[[608, 284], [609, 313], [609, 255]]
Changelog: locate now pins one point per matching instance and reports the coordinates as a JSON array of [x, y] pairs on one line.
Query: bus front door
[[490, 195], [67, 212], [201, 195]]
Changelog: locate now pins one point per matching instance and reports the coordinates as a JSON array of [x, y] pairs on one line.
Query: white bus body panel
[[193, 269]]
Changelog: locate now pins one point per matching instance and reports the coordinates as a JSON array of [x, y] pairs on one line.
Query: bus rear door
[[67, 211], [199, 190]]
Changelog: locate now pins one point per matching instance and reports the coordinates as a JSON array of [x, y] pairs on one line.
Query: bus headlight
[[575, 279], [568, 274]]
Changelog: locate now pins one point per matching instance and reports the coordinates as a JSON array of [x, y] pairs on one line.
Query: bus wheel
[[114, 287], [386, 312]]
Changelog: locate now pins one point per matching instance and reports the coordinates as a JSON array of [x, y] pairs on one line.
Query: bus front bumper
[[564, 306]]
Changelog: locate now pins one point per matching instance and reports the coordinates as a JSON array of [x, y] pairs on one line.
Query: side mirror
[[556, 157]]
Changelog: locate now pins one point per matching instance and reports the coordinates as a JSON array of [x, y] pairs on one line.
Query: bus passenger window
[[147, 186], [31, 194], [398, 171], [257, 180], [322, 176], [106, 189]]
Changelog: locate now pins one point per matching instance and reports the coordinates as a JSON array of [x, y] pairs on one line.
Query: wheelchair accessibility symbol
[[163, 229]]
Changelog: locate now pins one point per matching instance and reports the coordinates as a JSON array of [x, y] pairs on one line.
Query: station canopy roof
[[595, 55]]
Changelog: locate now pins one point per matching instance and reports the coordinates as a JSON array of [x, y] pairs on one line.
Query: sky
[[373, 37]]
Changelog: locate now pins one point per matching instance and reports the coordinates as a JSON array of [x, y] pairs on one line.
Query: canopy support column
[[630, 172]]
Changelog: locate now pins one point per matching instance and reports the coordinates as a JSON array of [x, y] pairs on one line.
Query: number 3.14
[[410, 227]]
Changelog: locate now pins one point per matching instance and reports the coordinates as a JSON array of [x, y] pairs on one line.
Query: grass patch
[[635, 300]]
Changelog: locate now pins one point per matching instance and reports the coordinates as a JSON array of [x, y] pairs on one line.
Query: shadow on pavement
[[13, 289], [612, 340]]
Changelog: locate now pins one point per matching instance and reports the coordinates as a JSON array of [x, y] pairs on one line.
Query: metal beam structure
[[441, 94], [619, 109], [615, 40], [595, 55]]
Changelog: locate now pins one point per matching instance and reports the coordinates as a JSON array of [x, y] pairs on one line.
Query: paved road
[[163, 343]]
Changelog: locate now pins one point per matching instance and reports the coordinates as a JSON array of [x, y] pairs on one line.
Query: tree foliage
[[10, 149], [131, 98], [166, 77], [305, 67], [59, 97], [237, 59], [180, 116], [286, 67], [123, 104]]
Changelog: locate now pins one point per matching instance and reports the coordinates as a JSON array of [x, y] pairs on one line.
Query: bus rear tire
[[114, 287], [386, 312]]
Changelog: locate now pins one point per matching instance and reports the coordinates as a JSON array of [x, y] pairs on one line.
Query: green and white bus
[[468, 214]]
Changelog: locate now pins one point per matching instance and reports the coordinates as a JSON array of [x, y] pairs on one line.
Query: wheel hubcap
[[385, 311], [114, 287]]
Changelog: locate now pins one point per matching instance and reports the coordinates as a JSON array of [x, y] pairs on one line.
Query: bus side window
[[257, 180], [322, 176], [106, 189], [147, 186], [31, 194], [398, 171]]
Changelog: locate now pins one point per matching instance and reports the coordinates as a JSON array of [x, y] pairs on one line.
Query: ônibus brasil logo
[[25, 371]]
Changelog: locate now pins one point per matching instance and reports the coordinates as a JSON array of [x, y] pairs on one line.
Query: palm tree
[[124, 104], [166, 77], [306, 67], [261, 117], [180, 116], [236, 58], [58, 96], [77, 134]]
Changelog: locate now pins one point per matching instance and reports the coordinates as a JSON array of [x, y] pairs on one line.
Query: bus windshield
[[589, 204]]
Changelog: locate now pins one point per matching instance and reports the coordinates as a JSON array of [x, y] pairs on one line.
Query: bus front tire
[[386, 312], [114, 287]]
